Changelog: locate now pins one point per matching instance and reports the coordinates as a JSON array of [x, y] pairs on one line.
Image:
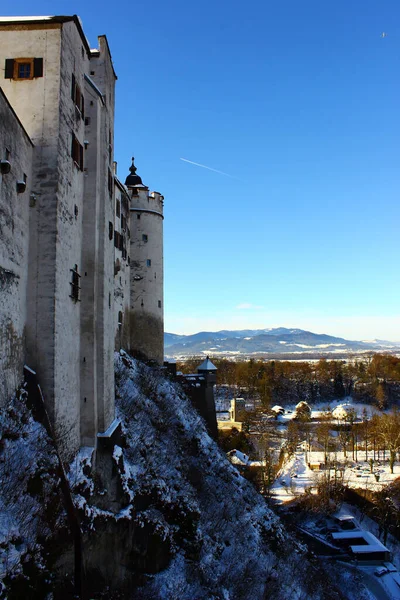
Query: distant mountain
[[280, 341]]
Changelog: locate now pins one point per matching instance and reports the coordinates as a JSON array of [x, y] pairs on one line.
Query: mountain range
[[273, 341]]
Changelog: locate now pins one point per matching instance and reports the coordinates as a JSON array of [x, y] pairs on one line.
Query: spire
[[207, 365], [133, 180]]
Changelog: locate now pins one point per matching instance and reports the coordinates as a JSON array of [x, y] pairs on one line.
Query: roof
[[50, 19], [207, 366], [133, 180], [372, 545], [369, 548]]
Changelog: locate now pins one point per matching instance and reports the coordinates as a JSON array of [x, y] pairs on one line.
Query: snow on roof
[[111, 429], [11, 19], [207, 366], [343, 517], [372, 545], [348, 535], [238, 458], [369, 548]]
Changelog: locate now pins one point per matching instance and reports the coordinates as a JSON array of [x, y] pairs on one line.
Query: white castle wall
[[147, 278], [122, 268], [14, 228], [70, 343]]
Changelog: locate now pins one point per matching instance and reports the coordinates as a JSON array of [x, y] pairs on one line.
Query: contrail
[[209, 168]]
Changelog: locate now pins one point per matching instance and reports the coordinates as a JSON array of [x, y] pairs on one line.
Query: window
[[145, 237], [77, 97], [148, 262], [118, 209], [74, 283], [23, 68], [110, 182], [120, 318], [138, 216], [159, 304], [110, 230], [77, 152]]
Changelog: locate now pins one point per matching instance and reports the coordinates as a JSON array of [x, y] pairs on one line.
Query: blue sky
[[299, 103]]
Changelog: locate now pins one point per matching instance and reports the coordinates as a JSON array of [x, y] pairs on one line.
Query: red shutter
[[9, 70], [38, 67]]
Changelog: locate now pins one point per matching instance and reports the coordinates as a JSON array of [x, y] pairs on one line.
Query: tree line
[[372, 379]]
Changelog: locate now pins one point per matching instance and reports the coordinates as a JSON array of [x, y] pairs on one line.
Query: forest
[[371, 379]]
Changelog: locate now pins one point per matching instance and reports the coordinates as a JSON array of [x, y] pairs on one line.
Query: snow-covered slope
[[191, 526]]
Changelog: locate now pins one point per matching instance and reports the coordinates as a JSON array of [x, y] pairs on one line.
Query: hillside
[[278, 341], [166, 517]]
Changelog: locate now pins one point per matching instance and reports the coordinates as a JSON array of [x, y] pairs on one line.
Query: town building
[[81, 254]]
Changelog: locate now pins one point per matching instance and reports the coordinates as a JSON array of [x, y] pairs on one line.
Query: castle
[[81, 253]]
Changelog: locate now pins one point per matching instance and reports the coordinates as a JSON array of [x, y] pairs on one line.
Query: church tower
[[146, 318]]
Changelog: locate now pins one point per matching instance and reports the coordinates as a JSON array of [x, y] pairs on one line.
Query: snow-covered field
[[296, 476]]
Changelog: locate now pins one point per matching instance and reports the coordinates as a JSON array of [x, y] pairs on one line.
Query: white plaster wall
[[147, 282], [36, 102], [48, 112], [89, 280], [14, 239], [122, 276], [101, 71]]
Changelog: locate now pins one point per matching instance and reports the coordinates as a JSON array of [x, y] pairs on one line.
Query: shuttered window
[[23, 68], [77, 96], [77, 152]]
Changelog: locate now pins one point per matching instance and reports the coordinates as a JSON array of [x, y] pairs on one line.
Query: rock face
[[174, 519]]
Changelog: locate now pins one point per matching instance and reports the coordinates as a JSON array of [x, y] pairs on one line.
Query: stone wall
[[147, 275], [15, 146]]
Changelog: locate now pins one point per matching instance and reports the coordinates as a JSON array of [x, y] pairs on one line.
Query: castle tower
[[146, 318], [209, 371]]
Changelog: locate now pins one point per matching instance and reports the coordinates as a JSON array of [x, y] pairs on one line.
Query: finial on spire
[[133, 169]]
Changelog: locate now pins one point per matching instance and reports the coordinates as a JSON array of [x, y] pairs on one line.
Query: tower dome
[[133, 179]]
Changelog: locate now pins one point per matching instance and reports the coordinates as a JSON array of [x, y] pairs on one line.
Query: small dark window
[[77, 152], [92, 72], [138, 216], [120, 318], [110, 230], [76, 211], [87, 121], [148, 262], [75, 284], [159, 304], [77, 96], [110, 182], [118, 209], [145, 237]]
